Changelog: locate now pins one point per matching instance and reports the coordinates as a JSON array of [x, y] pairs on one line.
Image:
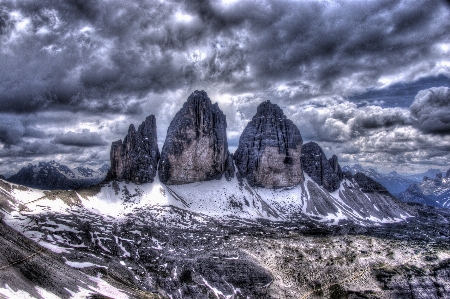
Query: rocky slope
[[52, 176], [433, 192], [196, 147], [326, 173], [269, 152], [136, 158], [156, 241]]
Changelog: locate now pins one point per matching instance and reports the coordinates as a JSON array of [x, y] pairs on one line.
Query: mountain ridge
[[52, 176]]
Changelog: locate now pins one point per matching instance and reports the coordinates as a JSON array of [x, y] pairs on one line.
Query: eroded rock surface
[[324, 172], [269, 152], [196, 147], [136, 158]]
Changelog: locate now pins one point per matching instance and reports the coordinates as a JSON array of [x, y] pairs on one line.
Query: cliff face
[[326, 173], [196, 147], [269, 152], [136, 158]]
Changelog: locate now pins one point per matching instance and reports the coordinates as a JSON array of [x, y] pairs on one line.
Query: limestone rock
[[229, 167], [269, 152], [136, 158], [336, 167], [196, 147], [323, 172], [368, 185]]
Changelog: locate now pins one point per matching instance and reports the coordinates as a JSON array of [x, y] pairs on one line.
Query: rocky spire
[[321, 171], [136, 159], [269, 152], [196, 147], [336, 167]]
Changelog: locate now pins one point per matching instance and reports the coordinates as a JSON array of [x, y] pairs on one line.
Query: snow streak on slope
[[221, 199], [186, 238]]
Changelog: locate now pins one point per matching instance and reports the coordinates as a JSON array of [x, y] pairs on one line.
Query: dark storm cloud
[[341, 121], [83, 139], [329, 42], [11, 130], [431, 110], [76, 51], [105, 64]]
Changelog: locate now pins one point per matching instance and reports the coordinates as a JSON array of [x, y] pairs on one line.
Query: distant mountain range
[[394, 182], [431, 187], [431, 191], [52, 175]]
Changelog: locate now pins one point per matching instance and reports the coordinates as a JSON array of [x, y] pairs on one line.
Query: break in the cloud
[[69, 66]]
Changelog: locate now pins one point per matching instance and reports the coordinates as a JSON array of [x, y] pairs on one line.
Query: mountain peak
[[136, 159], [269, 151], [196, 147]]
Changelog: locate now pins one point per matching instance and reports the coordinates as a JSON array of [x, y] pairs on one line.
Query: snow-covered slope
[[201, 240], [219, 199]]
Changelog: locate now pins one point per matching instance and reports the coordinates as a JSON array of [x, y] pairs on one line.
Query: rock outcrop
[[269, 152], [336, 167], [136, 158], [369, 185], [229, 167], [196, 147], [324, 172]]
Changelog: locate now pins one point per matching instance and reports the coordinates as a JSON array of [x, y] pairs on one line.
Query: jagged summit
[[270, 149], [196, 147], [136, 159], [324, 172]]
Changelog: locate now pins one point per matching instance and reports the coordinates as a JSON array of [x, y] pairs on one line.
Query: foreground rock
[[136, 158], [269, 152], [324, 172], [196, 147]]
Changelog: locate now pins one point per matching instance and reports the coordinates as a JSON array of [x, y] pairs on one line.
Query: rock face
[[269, 152], [196, 147], [368, 185], [336, 167], [324, 172], [136, 158], [229, 167]]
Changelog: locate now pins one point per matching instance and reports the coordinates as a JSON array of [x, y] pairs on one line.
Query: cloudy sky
[[367, 80]]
